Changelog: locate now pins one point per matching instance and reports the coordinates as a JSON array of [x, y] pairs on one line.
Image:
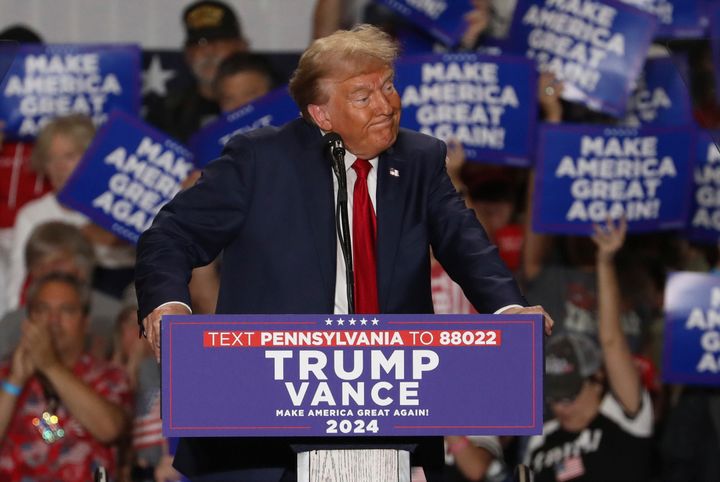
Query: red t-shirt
[[447, 296], [24, 455], [18, 182]]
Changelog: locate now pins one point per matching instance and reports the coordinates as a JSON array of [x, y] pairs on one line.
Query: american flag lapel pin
[[394, 172]]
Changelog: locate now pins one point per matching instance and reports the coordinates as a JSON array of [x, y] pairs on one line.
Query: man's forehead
[[364, 79], [66, 255], [57, 291]]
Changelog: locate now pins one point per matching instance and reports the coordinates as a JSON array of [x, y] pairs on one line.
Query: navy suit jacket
[[267, 202]]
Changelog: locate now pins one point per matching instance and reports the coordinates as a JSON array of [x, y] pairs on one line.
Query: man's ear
[[321, 116]]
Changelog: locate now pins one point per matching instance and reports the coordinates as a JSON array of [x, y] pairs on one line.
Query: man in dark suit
[[268, 203]]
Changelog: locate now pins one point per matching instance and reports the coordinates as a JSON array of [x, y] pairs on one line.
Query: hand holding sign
[[454, 162], [595, 48], [151, 323], [533, 310], [442, 19], [550, 90], [477, 21], [609, 238]]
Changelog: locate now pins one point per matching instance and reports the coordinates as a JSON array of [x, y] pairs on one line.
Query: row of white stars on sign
[[351, 321]]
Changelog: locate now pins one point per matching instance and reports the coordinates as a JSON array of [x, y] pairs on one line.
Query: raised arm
[[622, 374], [471, 460], [455, 161], [477, 21], [326, 17], [21, 369], [535, 245]]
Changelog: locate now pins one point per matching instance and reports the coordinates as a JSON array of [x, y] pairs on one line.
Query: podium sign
[[352, 375]]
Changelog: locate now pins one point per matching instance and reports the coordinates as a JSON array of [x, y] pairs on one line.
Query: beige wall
[[270, 25]]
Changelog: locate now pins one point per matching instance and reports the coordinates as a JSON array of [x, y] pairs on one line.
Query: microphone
[[335, 148]]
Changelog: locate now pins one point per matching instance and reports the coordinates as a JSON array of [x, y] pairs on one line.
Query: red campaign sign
[[350, 338]]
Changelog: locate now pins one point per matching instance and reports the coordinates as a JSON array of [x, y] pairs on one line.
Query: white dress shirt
[[341, 301]]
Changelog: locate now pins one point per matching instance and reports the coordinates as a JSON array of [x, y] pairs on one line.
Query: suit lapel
[[316, 185], [390, 198]]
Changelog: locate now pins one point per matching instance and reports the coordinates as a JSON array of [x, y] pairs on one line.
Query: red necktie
[[364, 237]]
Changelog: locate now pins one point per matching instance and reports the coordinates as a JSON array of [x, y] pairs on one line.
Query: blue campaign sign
[[585, 174], [714, 19], [596, 48], [340, 375], [443, 19], [691, 352], [488, 103], [678, 19], [7, 57], [415, 41], [46, 81], [273, 109], [127, 174], [681, 19], [704, 220], [661, 97]]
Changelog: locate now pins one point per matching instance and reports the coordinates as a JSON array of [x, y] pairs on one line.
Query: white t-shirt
[[42, 210]]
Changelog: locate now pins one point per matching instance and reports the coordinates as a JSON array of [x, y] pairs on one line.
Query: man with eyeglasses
[[60, 409]]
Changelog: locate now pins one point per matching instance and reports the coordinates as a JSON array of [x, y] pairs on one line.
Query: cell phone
[[101, 475]]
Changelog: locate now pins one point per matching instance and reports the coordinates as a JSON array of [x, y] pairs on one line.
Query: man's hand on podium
[[152, 323], [532, 310]]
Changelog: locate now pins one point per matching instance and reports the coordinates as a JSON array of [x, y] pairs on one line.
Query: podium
[[392, 465], [354, 397]]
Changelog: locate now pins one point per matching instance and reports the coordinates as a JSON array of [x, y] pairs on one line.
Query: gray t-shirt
[[569, 295]]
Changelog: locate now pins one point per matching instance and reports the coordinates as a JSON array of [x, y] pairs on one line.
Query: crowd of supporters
[[80, 390]]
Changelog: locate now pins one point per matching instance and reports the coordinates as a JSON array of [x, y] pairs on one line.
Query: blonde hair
[[77, 127], [343, 54]]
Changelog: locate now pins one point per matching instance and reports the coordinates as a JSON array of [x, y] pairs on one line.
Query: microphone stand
[[342, 225]]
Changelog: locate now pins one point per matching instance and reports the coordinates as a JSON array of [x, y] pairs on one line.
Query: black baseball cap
[[210, 20], [570, 359]]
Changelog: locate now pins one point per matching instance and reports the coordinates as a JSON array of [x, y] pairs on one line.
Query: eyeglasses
[[204, 41], [43, 311], [565, 399], [572, 397]]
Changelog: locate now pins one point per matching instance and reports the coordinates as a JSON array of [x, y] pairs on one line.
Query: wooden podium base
[[354, 465]]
